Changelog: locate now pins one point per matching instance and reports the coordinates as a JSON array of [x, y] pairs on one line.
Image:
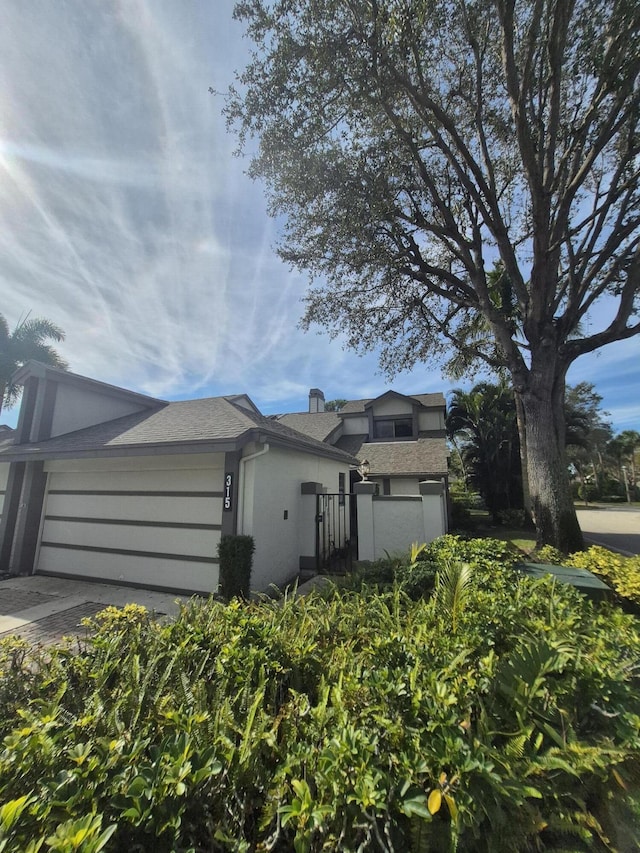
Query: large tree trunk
[[522, 435], [552, 506]]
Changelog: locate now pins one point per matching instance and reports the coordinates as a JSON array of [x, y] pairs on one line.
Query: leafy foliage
[[621, 573], [236, 559], [27, 341], [457, 176], [350, 721], [484, 420]]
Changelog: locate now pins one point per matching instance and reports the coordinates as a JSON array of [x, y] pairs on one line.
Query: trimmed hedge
[[236, 558], [620, 572]]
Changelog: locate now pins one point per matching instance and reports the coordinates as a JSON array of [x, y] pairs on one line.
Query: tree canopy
[[481, 424], [484, 419], [29, 340], [334, 405], [410, 145]]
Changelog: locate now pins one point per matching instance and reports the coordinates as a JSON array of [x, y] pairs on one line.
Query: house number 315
[[228, 492]]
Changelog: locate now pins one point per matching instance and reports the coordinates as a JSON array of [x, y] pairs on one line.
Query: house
[[103, 483], [401, 436]]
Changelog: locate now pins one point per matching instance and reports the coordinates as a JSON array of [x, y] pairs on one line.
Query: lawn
[[523, 539]]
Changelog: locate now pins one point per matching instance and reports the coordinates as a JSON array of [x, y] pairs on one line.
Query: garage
[[157, 524], [109, 484]]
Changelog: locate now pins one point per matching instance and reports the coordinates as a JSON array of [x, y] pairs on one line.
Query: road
[[616, 527]]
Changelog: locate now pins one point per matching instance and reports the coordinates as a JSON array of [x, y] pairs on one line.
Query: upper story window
[[393, 428]]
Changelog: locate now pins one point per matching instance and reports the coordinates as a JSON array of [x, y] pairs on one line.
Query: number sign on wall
[[228, 492]]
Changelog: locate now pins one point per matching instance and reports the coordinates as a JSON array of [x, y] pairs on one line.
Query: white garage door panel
[[185, 510], [146, 571], [163, 540], [108, 520], [189, 480]]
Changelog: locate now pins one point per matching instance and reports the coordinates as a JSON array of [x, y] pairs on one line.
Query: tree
[[587, 434], [631, 442], [27, 341], [485, 420], [624, 447], [334, 405], [408, 146]]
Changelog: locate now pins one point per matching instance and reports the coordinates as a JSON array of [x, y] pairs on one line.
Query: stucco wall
[[392, 406], [405, 485], [397, 523], [272, 487], [355, 426], [76, 408], [399, 485], [151, 520]]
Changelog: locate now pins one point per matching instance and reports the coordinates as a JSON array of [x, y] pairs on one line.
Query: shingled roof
[[318, 425], [424, 456], [435, 399], [209, 421]]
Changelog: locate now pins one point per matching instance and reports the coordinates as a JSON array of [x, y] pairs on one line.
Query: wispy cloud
[[126, 219]]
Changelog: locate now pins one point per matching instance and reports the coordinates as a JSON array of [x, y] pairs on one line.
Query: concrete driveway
[[614, 527], [45, 609]]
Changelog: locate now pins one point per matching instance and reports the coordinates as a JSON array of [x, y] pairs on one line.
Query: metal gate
[[336, 532]]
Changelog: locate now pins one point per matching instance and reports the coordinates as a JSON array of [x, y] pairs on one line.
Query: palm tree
[[484, 422], [27, 341], [630, 441]]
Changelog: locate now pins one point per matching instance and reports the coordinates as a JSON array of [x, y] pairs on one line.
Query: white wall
[[272, 486], [77, 408], [390, 524], [396, 523], [399, 485], [405, 485], [141, 520]]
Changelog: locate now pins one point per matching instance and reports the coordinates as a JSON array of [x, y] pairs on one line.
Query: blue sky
[[126, 219]]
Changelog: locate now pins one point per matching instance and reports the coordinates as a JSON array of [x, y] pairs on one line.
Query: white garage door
[[149, 521]]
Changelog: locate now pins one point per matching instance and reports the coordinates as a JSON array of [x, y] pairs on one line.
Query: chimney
[[316, 401]]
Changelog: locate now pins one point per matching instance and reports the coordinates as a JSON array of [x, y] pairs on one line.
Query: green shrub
[[501, 717], [236, 557], [588, 492], [416, 577], [462, 502], [621, 573], [512, 517]]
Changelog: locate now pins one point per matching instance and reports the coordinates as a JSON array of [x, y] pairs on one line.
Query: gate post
[[307, 534], [364, 492], [433, 509]]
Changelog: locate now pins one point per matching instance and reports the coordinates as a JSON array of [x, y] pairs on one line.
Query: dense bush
[[498, 714], [414, 574], [621, 573], [235, 553], [462, 502]]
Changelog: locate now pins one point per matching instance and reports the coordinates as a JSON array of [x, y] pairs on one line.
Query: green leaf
[[11, 811], [416, 806]]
